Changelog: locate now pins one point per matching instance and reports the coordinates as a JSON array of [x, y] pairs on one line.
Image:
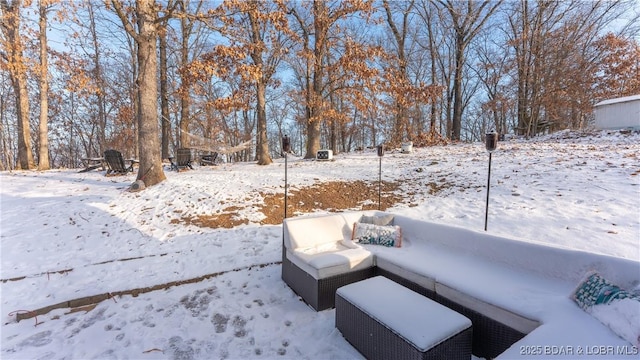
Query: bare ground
[[333, 196]]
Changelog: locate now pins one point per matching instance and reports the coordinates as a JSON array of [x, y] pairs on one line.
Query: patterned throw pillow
[[614, 307], [364, 233], [595, 290]]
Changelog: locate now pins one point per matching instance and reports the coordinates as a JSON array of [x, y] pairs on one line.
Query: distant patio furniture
[[117, 164], [92, 164], [183, 159], [208, 159]]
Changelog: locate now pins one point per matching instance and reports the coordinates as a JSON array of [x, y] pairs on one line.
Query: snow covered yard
[[67, 235]]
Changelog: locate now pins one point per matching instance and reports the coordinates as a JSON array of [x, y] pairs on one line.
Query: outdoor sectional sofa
[[516, 293]]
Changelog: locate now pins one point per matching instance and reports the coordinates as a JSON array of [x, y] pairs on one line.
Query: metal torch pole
[[286, 186], [286, 147], [379, 182], [486, 210]]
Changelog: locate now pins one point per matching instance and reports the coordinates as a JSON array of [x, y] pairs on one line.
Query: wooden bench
[[385, 320]]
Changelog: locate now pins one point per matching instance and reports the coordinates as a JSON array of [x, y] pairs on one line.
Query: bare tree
[[257, 29], [98, 78], [145, 34], [468, 18], [492, 70], [164, 94], [43, 127], [6, 140], [401, 126], [187, 24], [430, 38], [556, 60], [13, 60], [317, 36]]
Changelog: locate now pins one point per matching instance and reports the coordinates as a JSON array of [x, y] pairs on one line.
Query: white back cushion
[[312, 231]]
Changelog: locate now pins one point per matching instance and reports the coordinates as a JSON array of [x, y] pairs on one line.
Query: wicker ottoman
[[384, 320]]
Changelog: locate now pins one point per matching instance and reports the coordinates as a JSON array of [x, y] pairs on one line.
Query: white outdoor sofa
[[516, 293]]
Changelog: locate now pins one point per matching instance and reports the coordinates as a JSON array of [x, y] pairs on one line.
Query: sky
[[67, 235]]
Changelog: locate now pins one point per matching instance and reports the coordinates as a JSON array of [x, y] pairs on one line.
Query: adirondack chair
[[116, 163], [183, 159], [209, 159]]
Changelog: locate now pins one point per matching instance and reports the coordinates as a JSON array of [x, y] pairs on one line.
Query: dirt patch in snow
[[331, 196], [228, 219]]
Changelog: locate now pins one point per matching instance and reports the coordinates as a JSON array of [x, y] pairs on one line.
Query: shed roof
[[619, 100]]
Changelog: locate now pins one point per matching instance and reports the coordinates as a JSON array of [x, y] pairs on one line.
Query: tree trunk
[[433, 52], [164, 96], [98, 78], [263, 143], [18, 73], [334, 104], [313, 139], [6, 158], [43, 127], [315, 100], [456, 124], [523, 72], [185, 100], [314, 121], [150, 169]]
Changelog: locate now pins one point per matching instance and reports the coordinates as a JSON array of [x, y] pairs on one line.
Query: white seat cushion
[[331, 259], [325, 248], [509, 318], [400, 269]]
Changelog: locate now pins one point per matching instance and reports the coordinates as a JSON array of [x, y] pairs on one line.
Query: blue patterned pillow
[[614, 307], [364, 233], [595, 290]]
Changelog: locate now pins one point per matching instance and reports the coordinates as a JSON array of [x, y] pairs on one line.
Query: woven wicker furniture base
[[490, 337], [375, 341], [493, 337], [320, 294]]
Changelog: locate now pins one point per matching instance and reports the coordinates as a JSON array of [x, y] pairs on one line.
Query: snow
[[618, 100], [392, 305], [67, 235], [623, 316]]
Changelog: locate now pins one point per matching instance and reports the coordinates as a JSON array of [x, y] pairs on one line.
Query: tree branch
[[128, 27]]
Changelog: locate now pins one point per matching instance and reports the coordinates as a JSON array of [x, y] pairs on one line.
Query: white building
[[620, 113]]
